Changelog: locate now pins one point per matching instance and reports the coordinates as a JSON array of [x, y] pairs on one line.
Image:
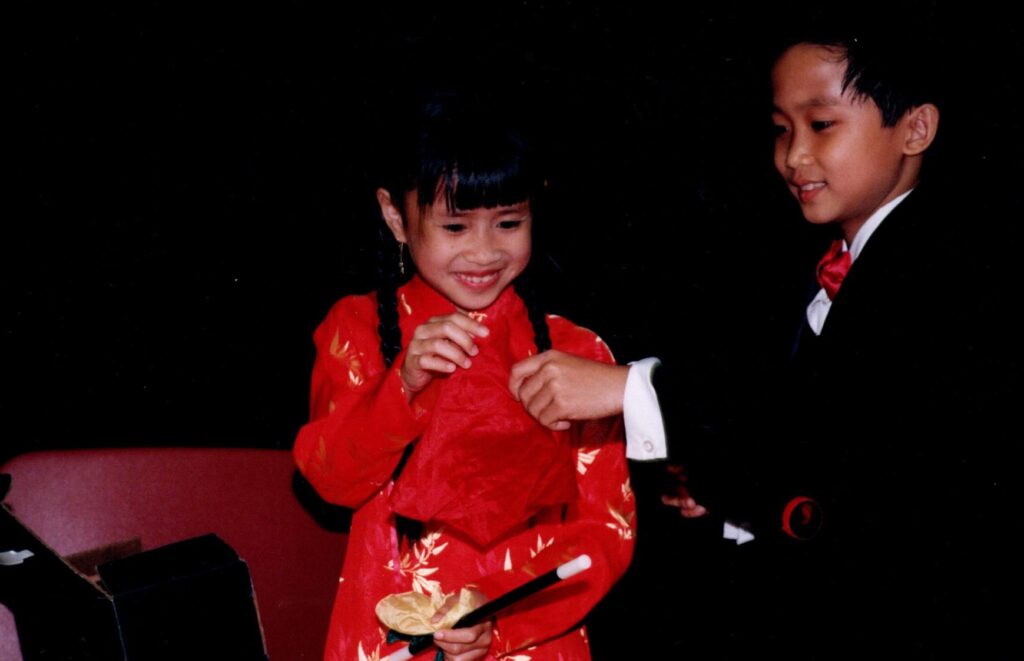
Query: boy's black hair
[[890, 58], [472, 149]]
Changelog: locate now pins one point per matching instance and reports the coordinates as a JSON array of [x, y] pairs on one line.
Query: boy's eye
[[453, 228], [821, 125]]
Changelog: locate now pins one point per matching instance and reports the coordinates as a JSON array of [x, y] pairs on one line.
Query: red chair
[[85, 499]]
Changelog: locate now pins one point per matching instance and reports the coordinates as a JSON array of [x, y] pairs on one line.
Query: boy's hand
[[676, 493], [439, 346], [466, 644], [557, 387]]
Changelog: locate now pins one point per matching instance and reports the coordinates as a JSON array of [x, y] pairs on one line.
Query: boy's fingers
[[523, 370], [530, 393], [551, 417]]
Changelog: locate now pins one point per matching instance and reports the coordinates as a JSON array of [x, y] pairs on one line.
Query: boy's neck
[[855, 241], [852, 227]]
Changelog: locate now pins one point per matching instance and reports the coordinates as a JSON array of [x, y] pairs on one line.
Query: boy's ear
[[922, 122], [392, 215]]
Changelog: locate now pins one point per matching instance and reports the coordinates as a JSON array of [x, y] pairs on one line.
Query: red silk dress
[[360, 425]]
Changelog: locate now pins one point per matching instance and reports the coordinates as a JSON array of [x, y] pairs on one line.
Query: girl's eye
[[510, 224], [779, 130], [821, 125], [454, 228]]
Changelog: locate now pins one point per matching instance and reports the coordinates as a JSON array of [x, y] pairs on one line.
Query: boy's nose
[[797, 153]]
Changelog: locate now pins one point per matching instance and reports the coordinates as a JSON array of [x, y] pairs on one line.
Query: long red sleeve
[[360, 421]]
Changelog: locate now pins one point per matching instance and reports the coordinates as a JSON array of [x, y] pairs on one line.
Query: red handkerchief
[[484, 466]]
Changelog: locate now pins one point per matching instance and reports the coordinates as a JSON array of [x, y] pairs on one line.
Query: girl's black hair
[[471, 150]]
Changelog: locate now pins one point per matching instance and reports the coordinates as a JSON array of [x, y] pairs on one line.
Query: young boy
[[889, 524]]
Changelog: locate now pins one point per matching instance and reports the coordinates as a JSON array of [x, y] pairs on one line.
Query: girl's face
[[469, 256]]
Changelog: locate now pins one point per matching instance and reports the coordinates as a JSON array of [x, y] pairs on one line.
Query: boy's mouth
[[808, 191]]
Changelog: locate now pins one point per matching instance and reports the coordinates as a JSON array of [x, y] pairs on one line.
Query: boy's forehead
[[809, 75]]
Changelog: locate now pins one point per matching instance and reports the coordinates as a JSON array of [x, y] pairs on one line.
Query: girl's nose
[[484, 249]]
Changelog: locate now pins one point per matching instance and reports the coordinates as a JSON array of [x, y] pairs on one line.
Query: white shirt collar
[[869, 227], [817, 310]]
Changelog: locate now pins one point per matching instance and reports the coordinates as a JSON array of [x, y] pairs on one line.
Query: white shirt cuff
[[645, 430]]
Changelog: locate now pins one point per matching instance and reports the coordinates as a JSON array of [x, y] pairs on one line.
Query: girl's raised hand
[[440, 346]]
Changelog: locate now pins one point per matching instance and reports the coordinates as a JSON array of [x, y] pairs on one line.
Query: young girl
[[412, 423]]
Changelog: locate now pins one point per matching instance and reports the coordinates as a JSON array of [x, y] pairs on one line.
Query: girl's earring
[[401, 258]]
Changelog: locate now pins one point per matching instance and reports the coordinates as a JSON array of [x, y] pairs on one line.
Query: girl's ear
[[392, 215], [922, 123]]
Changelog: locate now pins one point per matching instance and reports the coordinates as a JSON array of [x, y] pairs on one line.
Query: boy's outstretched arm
[[557, 387]]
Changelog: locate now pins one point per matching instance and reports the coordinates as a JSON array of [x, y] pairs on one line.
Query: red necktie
[[833, 267]]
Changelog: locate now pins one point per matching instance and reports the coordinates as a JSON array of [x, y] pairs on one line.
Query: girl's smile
[[468, 256]]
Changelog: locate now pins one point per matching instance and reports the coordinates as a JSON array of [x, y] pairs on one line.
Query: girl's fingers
[[457, 641], [442, 348], [434, 363], [448, 331], [458, 328], [465, 322]]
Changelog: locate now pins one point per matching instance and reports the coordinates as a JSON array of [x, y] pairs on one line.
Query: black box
[[188, 600]]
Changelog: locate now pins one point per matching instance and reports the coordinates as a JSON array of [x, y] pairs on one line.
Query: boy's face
[[840, 162]]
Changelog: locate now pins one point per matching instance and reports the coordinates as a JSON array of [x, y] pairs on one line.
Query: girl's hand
[[466, 644], [440, 346]]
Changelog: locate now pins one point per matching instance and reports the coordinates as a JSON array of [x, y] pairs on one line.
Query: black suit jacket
[[896, 420]]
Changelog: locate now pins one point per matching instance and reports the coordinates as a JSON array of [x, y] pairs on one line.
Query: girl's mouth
[[479, 280]]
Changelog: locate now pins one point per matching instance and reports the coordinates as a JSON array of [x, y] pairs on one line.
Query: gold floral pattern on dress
[[374, 654], [627, 491], [621, 523], [541, 545], [506, 655], [478, 317], [405, 304], [341, 352], [414, 563], [584, 458], [508, 560]]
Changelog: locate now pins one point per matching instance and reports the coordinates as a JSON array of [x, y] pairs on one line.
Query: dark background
[[188, 195]]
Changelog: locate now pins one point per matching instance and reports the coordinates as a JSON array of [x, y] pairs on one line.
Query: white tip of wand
[[401, 655], [574, 566]]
